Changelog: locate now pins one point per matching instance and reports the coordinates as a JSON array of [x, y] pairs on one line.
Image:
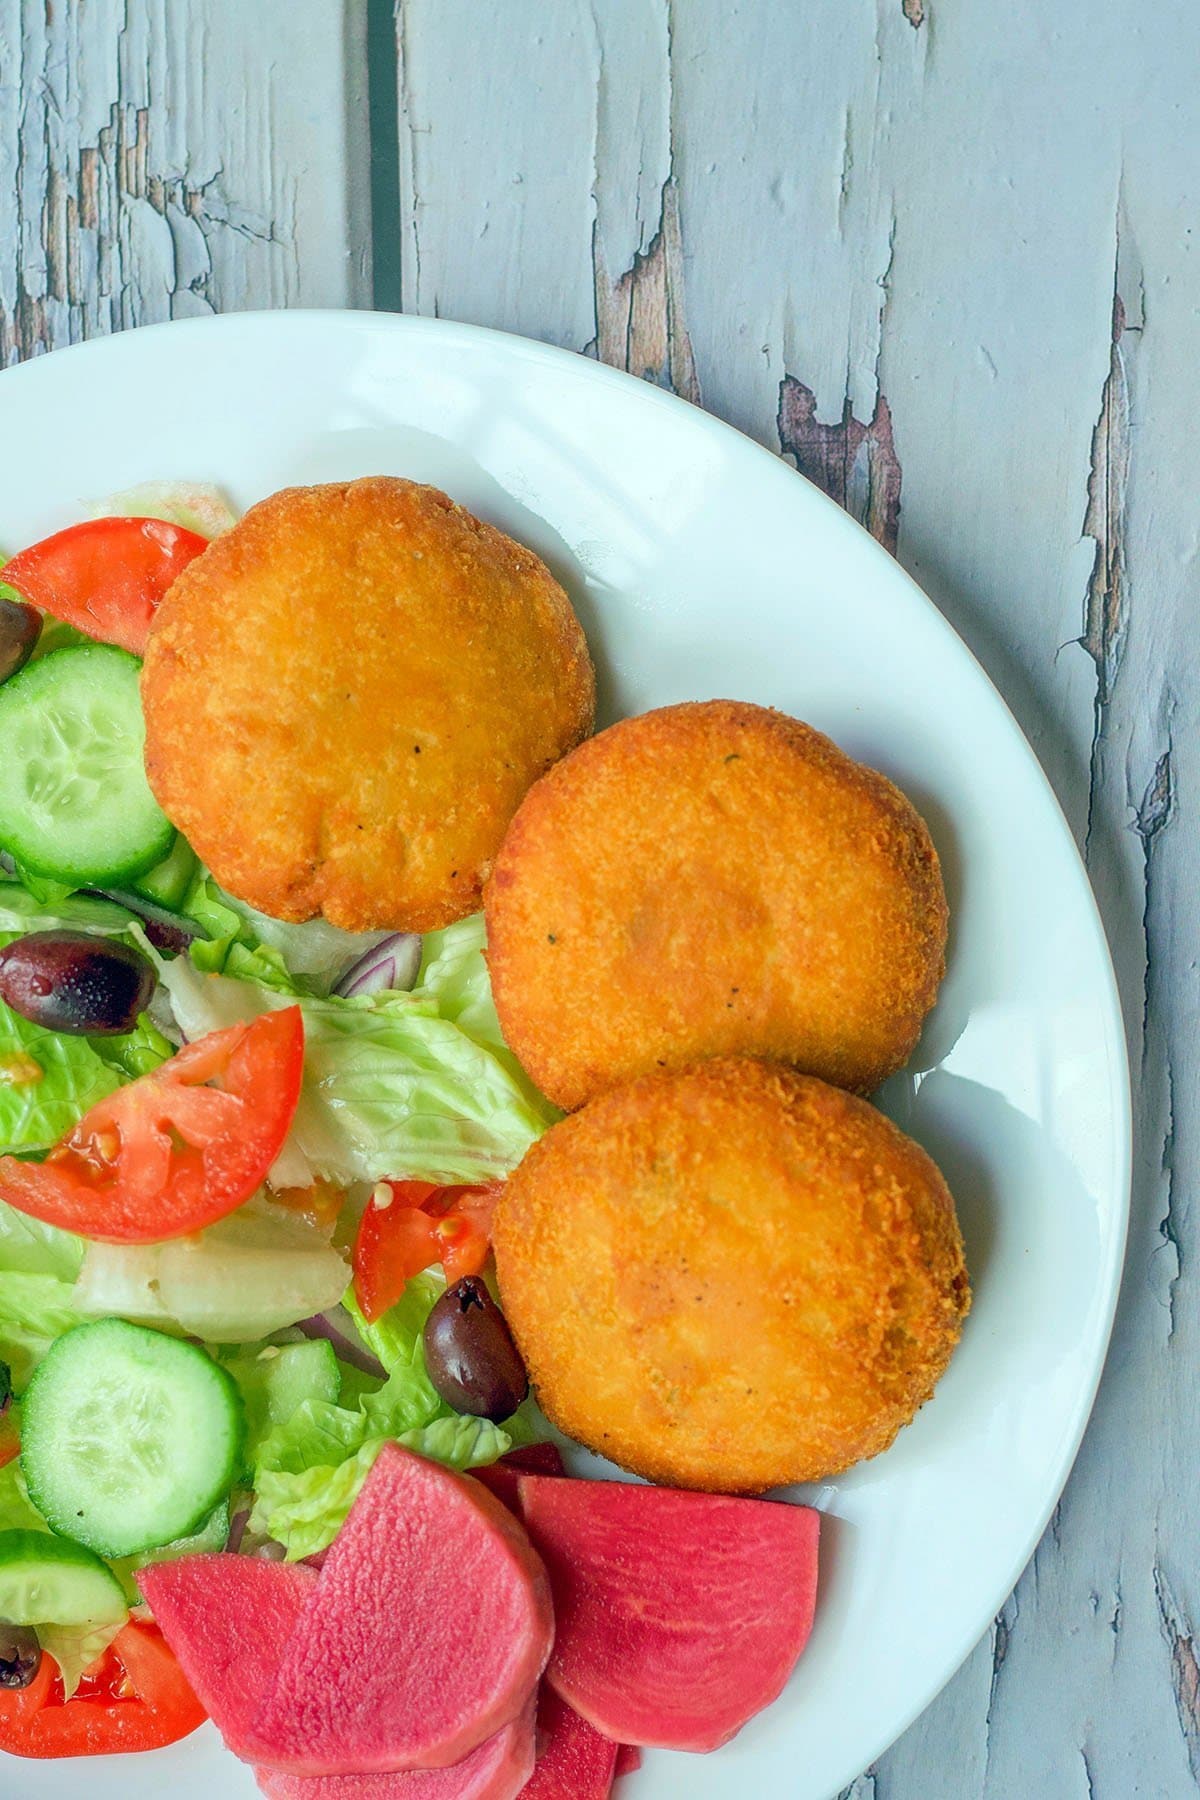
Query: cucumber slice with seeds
[[46, 1580], [75, 804], [129, 1438]]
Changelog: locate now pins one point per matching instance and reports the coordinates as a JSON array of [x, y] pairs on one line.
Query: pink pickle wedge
[[573, 1761], [497, 1770], [679, 1615], [426, 1632], [227, 1618]]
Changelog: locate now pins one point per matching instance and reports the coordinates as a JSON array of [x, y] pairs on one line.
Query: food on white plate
[[106, 576], [731, 1277], [260, 1269], [678, 1616], [575, 1762], [347, 696], [171, 1153], [499, 1769], [228, 1618], [426, 1633], [713, 879], [20, 628], [129, 1438], [503, 1477], [252, 1163], [470, 1354], [74, 802], [70, 981]]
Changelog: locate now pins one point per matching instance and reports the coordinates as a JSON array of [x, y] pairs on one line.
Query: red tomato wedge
[[135, 1698], [419, 1225], [106, 576], [171, 1153]]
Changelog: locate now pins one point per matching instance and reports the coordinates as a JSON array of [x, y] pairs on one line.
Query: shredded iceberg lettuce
[[195, 505], [392, 1085]]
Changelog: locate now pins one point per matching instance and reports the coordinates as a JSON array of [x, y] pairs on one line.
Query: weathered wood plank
[[887, 239], [497, 228], [156, 163]]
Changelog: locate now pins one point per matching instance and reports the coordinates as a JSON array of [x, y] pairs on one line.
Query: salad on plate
[[269, 1452]]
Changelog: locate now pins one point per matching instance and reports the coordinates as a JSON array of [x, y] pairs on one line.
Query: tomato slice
[[409, 1226], [106, 576], [135, 1698], [169, 1153]]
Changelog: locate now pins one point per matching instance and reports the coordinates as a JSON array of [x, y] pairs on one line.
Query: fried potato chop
[[711, 879], [347, 696], [733, 1277]]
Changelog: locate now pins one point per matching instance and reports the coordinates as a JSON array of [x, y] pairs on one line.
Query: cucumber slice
[[130, 1438], [47, 1580], [279, 1379], [74, 801], [169, 880]]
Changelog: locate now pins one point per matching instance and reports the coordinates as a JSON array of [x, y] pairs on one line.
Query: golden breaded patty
[[731, 1277], [347, 696], [713, 879]]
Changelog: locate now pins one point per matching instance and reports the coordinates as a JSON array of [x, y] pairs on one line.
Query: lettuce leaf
[[76, 1647], [21, 911], [454, 976], [195, 505], [305, 1509], [17, 1511], [396, 1337], [252, 1273], [38, 1266], [460, 1442], [136, 1052], [311, 956], [47, 1082], [34, 1310], [36, 1249], [391, 1087], [309, 1468], [212, 910]]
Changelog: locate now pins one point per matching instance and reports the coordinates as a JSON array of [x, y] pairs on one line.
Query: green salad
[[205, 1115]]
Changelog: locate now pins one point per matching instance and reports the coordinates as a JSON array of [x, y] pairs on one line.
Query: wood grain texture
[[155, 164], [942, 255]]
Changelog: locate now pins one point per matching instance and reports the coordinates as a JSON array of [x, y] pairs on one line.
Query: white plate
[[703, 566]]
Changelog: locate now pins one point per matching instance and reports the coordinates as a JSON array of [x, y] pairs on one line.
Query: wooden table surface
[[940, 254]]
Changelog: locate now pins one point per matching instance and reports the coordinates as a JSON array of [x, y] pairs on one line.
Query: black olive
[[470, 1354], [20, 628], [68, 981], [20, 1656]]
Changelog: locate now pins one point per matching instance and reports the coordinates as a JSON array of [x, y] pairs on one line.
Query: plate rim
[[506, 344]]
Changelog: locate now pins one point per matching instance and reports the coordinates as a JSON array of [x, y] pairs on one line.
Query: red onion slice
[[393, 963], [237, 1530], [345, 1342]]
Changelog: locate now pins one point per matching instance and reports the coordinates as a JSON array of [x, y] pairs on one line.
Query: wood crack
[[1105, 603], [852, 461], [640, 324], [1185, 1670], [1153, 815]]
